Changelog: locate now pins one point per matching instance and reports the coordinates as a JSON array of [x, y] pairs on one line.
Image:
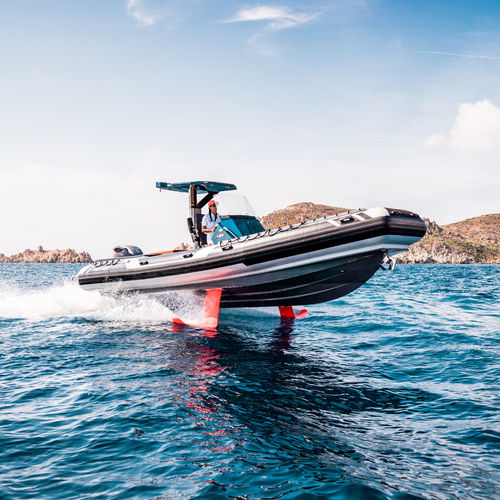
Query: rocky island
[[472, 241], [46, 256]]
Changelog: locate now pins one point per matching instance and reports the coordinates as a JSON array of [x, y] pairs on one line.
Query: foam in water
[[70, 300]]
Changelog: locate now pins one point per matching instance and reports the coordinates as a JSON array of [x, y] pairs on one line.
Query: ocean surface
[[390, 392]]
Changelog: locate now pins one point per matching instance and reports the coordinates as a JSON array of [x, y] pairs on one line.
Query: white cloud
[[277, 18], [146, 17], [435, 140], [260, 44], [476, 128], [456, 54]]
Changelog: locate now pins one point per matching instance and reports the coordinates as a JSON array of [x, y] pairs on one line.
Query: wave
[[69, 300]]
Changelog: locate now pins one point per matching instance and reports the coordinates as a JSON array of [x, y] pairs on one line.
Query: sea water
[[389, 392]]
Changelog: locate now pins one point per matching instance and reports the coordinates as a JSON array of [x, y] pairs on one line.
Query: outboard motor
[[127, 251]]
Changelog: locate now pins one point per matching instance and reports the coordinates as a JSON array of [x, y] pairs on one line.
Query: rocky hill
[[299, 212], [46, 256], [472, 241]]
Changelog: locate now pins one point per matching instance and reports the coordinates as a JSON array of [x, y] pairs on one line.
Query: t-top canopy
[[208, 186]]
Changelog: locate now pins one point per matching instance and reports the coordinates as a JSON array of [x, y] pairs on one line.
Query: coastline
[[474, 241], [41, 256]]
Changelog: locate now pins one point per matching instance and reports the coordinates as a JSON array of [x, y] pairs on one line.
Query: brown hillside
[[299, 212], [484, 229], [472, 241]]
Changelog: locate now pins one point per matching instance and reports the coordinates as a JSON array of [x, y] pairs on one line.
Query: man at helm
[[210, 220]]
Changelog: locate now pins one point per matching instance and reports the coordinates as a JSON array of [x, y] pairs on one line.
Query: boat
[[246, 265]]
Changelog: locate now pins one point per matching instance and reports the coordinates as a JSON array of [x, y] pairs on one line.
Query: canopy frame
[[195, 188]]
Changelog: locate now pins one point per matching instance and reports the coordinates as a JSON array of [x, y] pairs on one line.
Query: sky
[[356, 103]]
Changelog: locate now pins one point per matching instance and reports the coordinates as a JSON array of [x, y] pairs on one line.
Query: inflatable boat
[[247, 266]]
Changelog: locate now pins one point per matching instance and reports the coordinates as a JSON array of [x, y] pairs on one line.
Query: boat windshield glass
[[233, 204], [246, 226]]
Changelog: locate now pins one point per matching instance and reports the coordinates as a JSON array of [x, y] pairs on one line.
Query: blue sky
[[352, 103]]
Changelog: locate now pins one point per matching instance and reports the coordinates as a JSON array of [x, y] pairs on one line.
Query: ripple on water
[[390, 392]]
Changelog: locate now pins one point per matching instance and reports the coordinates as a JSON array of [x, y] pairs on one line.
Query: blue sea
[[390, 392]]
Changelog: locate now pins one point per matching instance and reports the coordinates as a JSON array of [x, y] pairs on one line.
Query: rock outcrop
[[46, 256], [472, 241]]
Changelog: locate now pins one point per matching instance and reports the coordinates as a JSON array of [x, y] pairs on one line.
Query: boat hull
[[312, 284], [307, 264]]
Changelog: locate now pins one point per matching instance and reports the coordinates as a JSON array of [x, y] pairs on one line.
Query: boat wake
[[69, 300]]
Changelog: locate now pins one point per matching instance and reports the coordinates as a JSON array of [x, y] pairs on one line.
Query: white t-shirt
[[209, 221]]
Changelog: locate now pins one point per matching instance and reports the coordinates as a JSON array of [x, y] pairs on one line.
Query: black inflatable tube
[[312, 238]]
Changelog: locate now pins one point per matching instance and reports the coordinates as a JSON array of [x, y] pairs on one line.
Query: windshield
[[233, 204]]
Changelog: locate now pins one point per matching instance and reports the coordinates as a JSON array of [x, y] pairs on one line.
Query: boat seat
[[203, 236], [159, 253], [197, 232]]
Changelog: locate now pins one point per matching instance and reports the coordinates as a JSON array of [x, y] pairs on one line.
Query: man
[[212, 219]]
